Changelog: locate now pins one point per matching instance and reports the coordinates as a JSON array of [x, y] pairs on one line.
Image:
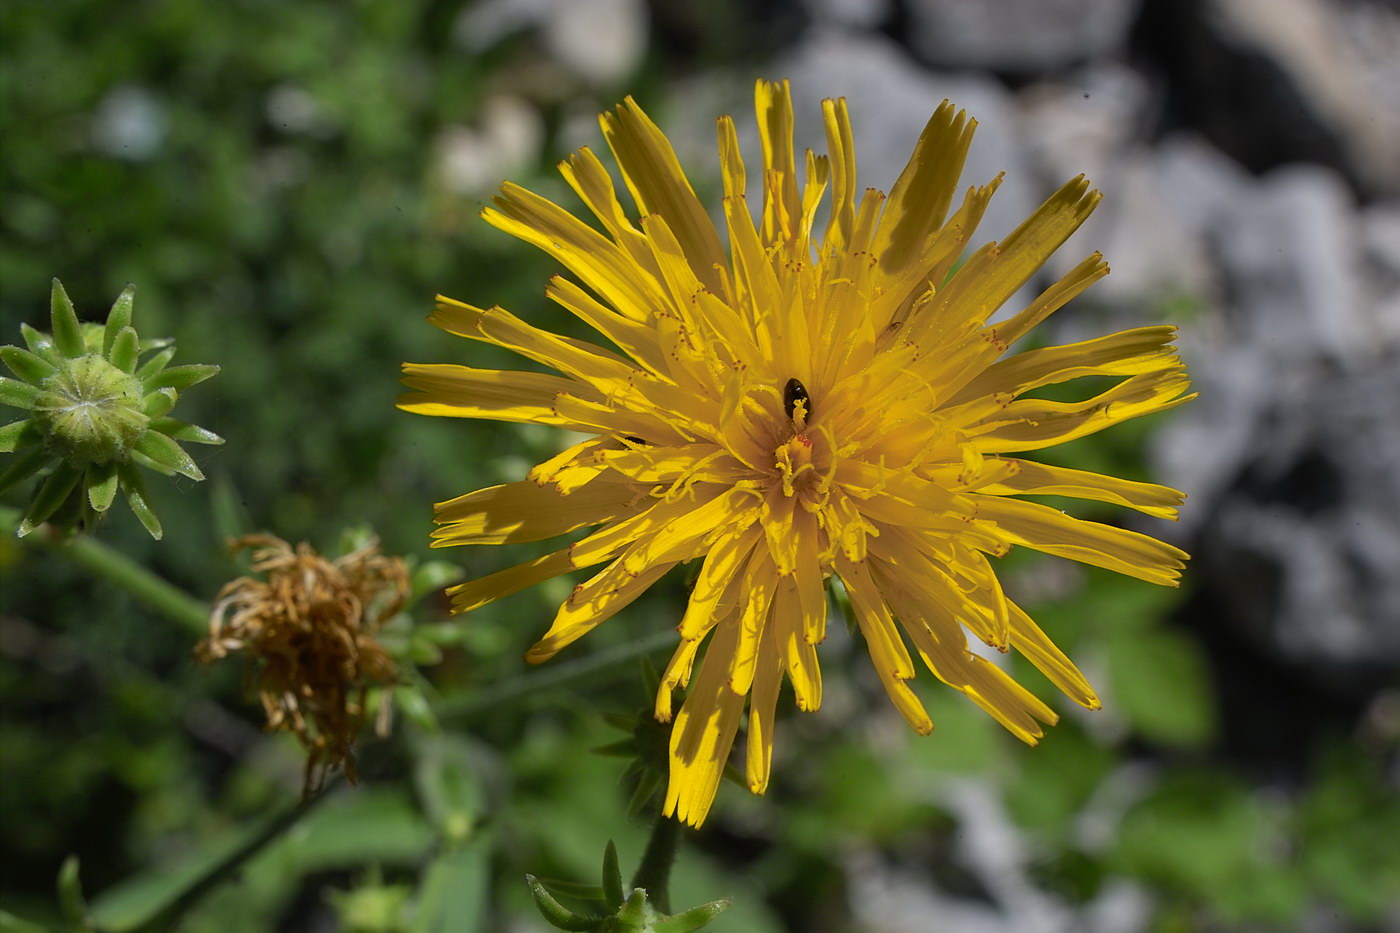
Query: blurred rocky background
[[289, 185]]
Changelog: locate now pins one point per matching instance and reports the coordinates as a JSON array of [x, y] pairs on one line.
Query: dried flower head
[[308, 632]]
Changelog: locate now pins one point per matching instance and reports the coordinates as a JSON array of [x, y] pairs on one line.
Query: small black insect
[[793, 393]]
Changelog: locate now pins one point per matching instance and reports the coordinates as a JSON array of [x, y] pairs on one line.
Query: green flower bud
[[94, 411], [90, 411]]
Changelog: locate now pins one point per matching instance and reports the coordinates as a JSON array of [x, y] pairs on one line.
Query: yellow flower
[[804, 405], [307, 631]]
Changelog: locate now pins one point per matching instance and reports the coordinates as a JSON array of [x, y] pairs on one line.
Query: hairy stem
[[654, 874], [116, 568]]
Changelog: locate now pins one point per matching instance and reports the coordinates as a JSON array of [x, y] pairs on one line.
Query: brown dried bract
[[308, 630]]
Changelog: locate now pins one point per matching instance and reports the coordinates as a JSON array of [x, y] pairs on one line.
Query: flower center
[[91, 410]]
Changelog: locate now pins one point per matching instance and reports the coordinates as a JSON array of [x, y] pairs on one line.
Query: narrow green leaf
[[28, 463], [102, 482], [164, 451], [124, 350], [191, 433], [612, 879], [634, 910], [159, 402], [67, 335], [31, 367], [556, 914], [39, 343], [17, 394], [622, 748], [49, 497], [134, 488], [692, 919], [155, 364], [118, 319], [180, 378], [19, 434], [142, 460], [71, 903]]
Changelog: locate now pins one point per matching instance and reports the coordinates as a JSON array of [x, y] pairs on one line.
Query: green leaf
[[612, 879], [125, 348], [28, 463], [555, 913], [102, 482], [155, 364], [40, 344], [180, 431], [19, 434], [455, 890], [30, 367], [447, 786], [118, 319], [1160, 683], [67, 335], [166, 452], [158, 403], [17, 394], [50, 496], [134, 488], [693, 919], [180, 378], [71, 903]]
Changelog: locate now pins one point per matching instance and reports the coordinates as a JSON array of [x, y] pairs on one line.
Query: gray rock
[[1018, 36], [1274, 81]]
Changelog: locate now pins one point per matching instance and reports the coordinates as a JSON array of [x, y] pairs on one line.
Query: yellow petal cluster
[[822, 398]]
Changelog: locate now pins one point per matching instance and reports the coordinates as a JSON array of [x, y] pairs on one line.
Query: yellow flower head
[[307, 631], [805, 404]]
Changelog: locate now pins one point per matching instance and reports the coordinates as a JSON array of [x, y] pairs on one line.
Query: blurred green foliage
[[265, 174]]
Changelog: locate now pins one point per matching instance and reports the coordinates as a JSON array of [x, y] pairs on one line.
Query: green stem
[[106, 563], [226, 867], [654, 874], [465, 707]]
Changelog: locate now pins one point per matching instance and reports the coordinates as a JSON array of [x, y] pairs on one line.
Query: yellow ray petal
[[659, 186], [474, 594], [591, 181], [601, 264], [760, 581], [763, 704], [594, 602], [841, 147], [704, 734], [1070, 285], [526, 511], [1032, 424], [920, 198], [1045, 479], [1045, 529], [996, 272], [1027, 638], [773, 104], [1126, 353], [636, 340], [718, 577], [453, 391], [887, 649]]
